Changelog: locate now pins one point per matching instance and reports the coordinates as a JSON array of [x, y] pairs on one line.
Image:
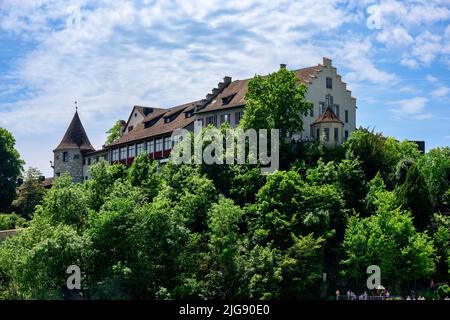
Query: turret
[[68, 155]]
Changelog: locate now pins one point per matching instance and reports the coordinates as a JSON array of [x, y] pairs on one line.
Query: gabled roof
[[327, 116], [160, 127], [239, 88], [144, 111], [75, 137]]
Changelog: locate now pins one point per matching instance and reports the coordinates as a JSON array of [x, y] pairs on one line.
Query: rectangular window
[[329, 100], [167, 143], [89, 161], [336, 134], [327, 134], [65, 156], [336, 110], [224, 118], [150, 146], [76, 156], [318, 134], [115, 154], [329, 83], [346, 116], [346, 135], [159, 145], [237, 117], [321, 107], [211, 120], [131, 151], [311, 111], [139, 148], [123, 153]]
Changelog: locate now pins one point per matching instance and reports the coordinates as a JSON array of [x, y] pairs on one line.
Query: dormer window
[[148, 124], [189, 114], [227, 100]]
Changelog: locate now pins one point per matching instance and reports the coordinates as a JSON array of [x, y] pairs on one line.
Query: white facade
[[341, 98]]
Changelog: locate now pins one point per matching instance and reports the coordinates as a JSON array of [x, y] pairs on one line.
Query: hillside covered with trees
[[228, 232]]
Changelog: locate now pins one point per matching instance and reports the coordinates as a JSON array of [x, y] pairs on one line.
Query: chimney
[[283, 66], [227, 79], [327, 62]]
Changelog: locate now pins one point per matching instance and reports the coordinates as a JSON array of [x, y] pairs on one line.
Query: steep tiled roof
[[160, 127], [75, 137], [239, 88], [327, 116]]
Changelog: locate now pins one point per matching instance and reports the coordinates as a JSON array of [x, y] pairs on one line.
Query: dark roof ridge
[[75, 136]]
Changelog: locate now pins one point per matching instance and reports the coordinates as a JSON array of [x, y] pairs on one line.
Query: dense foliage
[[227, 232], [10, 168], [30, 193]]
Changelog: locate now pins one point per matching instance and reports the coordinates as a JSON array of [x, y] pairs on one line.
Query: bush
[[11, 221], [443, 291]]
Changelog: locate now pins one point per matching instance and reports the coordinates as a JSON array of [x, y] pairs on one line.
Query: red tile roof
[[239, 88], [327, 116]]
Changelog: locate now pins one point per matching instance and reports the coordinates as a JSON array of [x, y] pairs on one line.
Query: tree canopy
[[11, 167]]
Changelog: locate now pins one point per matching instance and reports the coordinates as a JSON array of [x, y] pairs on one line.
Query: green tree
[[435, 165], [31, 192], [440, 227], [378, 197], [261, 273], [11, 167], [144, 174], [379, 154], [286, 204], [414, 195], [103, 176], [65, 203], [276, 101], [114, 133], [11, 221], [34, 262], [389, 240], [351, 180], [303, 267]]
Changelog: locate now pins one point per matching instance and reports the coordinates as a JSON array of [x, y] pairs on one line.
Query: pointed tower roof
[[75, 137], [327, 116]]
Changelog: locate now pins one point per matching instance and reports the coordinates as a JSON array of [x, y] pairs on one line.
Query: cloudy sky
[[111, 55]]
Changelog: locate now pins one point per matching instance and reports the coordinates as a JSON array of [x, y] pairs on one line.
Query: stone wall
[[73, 166], [8, 233]]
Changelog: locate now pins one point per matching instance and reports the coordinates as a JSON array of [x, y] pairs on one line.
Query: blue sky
[[111, 55]]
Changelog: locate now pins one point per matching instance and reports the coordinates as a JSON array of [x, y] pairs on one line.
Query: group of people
[[363, 296], [384, 294]]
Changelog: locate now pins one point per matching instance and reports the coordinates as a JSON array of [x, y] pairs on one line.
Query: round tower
[[68, 155]]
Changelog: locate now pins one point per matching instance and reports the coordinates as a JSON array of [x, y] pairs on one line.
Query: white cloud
[[440, 92], [111, 55], [410, 63], [402, 25], [431, 78], [412, 108], [394, 37], [355, 55]]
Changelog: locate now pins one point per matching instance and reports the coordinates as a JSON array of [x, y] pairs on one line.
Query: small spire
[[76, 106]]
